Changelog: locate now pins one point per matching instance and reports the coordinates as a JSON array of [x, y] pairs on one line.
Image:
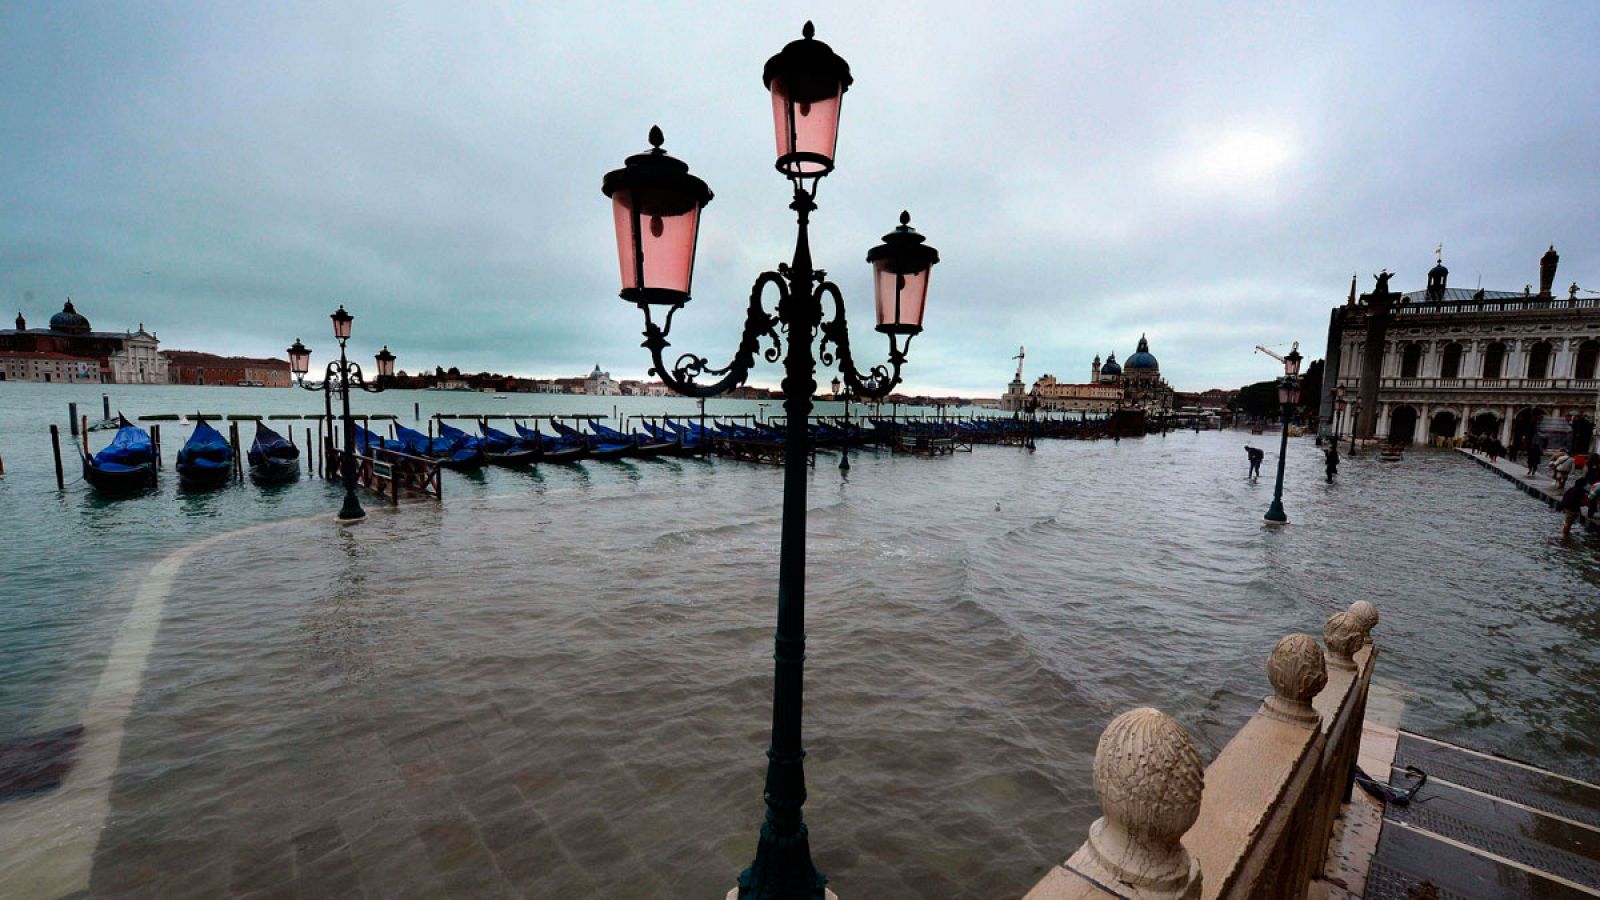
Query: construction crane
[[1275, 354]]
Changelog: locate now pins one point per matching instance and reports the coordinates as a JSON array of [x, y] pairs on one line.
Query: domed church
[[1139, 376]]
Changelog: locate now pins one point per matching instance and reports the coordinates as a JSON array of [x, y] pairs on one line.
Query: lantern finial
[[809, 31], [656, 137], [905, 217]]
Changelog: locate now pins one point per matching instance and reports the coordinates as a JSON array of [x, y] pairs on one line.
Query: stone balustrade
[[1257, 822]]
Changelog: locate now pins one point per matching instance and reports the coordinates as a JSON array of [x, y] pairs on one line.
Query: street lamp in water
[[341, 376], [1288, 398], [656, 206]]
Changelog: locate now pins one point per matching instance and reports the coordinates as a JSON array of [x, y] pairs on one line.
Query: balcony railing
[[1489, 306], [1576, 385]]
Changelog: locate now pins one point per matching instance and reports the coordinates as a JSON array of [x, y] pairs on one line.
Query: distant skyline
[[1211, 177]]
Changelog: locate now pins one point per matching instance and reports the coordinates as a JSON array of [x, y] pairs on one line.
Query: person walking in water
[[1574, 500], [1331, 456], [1255, 456], [1535, 453]]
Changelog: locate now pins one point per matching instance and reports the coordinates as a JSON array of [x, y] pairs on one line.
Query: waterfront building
[[1135, 383], [71, 350], [191, 367], [1442, 362], [600, 384]]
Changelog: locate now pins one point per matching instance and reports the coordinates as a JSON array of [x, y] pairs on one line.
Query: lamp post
[[844, 452], [656, 207], [1355, 418], [341, 376], [1288, 397]]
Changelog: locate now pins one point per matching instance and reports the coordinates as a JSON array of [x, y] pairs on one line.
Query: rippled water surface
[[557, 683]]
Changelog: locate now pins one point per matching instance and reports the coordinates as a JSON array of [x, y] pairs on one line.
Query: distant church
[[1136, 383]]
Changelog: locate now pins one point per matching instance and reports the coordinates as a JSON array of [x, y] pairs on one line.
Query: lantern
[[1289, 392], [341, 323], [807, 80], [1291, 363], [385, 362], [299, 358], [900, 267], [836, 386], [656, 205]]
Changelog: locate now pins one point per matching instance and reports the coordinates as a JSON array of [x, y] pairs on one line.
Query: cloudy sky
[[226, 173]]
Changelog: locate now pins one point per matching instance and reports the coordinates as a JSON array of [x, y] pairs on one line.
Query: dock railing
[[1257, 822], [390, 474]]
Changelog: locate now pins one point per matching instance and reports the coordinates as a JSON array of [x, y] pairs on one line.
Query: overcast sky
[[226, 173]]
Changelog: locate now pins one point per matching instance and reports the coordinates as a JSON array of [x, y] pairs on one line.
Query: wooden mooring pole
[[155, 443], [238, 465], [72, 418], [311, 453], [55, 447]]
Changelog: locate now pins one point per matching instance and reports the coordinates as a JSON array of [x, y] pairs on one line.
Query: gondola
[[599, 448], [206, 460], [448, 452], [645, 445], [128, 463], [684, 441], [273, 460], [503, 449], [555, 449]]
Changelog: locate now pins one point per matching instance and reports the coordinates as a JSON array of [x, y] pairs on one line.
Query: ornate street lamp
[[340, 377], [844, 451], [656, 206], [1288, 398]]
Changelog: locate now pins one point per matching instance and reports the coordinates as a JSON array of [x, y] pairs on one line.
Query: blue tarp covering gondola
[[127, 463], [413, 442], [368, 441], [130, 447], [456, 449], [206, 458], [272, 458]]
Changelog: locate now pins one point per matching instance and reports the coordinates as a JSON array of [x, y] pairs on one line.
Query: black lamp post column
[[1288, 397], [351, 511], [656, 207]]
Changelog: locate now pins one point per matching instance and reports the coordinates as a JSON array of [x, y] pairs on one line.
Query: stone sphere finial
[[1297, 672], [1343, 637], [1366, 618], [1148, 776]]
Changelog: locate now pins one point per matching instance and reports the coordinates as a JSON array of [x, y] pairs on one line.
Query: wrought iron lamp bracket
[[758, 324], [878, 381]]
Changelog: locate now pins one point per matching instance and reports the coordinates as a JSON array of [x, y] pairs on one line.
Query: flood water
[[557, 683]]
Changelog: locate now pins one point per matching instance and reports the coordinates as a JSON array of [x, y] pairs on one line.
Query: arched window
[[1410, 360], [1588, 356], [1494, 357], [1539, 360], [1450, 365]]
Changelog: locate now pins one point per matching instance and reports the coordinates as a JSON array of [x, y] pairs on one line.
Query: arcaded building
[[1442, 361]]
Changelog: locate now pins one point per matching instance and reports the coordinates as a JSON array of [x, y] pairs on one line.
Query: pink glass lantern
[[341, 323], [1291, 363], [1289, 392], [807, 80], [900, 269], [655, 207], [385, 361], [299, 358]]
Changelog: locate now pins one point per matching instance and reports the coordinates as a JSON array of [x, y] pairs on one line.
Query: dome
[[68, 321], [1111, 367], [1438, 271], [1141, 358]]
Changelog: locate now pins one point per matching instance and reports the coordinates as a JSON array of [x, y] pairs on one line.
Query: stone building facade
[[1443, 361], [70, 350], [192, 367]]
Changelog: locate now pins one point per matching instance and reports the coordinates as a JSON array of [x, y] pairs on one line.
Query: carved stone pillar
[[1148, 776], [1365, 618], [1344, 636]]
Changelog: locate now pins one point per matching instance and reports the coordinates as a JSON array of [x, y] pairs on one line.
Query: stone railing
[[1587, 385], [1256, 823]]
